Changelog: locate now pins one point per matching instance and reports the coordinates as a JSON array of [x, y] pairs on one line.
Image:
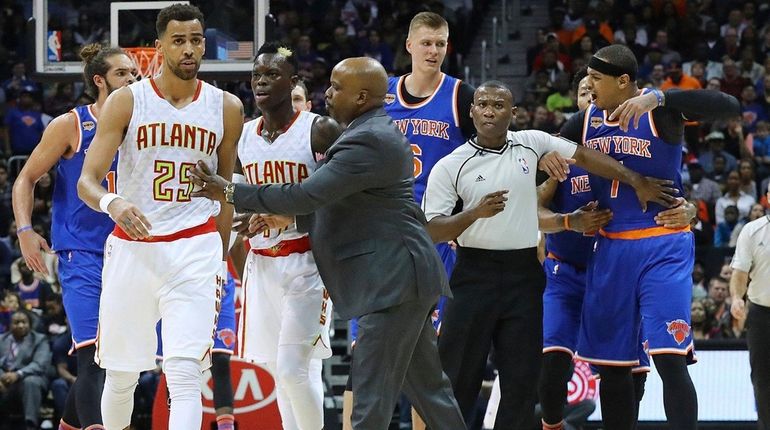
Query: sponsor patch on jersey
[[596, 121], [88, 125], [679, 329], [390, 98], [524, 165]]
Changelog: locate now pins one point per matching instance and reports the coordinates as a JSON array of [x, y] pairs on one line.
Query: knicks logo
[[596, 121], [88, 125], [390, 98], [227, 336], [679, 329]]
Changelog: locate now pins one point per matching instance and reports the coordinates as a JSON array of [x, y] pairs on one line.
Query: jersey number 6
[[417, 162]]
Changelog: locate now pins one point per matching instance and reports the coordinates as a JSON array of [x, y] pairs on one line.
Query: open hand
[[130, 219], [678, 216], [655, 190], [32, 245], [589, 219], [634, 108], [555, 165], [211, 185]]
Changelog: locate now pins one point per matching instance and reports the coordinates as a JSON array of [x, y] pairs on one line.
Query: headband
[[606, 68]]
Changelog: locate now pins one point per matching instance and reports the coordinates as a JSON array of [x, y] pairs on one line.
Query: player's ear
[[624, 81], [99, 81], [408, 44], [159, 47], [513, 112]]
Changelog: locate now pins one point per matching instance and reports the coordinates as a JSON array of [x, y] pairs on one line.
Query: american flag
[[240, 50]]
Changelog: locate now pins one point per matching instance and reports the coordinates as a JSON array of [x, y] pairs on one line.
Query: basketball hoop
[[147, 59]]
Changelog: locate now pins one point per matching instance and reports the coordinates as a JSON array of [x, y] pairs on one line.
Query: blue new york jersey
[[431, 126], [639, 149], [571, 246], [75, 226]]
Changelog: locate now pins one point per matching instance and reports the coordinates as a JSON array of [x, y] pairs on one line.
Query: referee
[[752, 260], [498, 282]]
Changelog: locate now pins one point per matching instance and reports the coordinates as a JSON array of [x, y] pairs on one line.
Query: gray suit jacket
[[367, 233], [32, 357]]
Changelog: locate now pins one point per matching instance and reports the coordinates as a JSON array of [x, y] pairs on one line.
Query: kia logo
[[253, 387]]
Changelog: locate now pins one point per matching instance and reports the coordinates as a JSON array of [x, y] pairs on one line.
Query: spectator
[[677, 79], [735, 140], [24, 125], [600, 33], [702, 188], [640, 33], [54, 322], [702, 229], [714, 84], [583, 48], [668, 54], [62, 101], [375, 48], [701, 54], [305, 52], [18, 81], [550, 65], [735, 22], [698, 320], [698, 279], [541, 120], [714, 41], [763, 50], [749, 68], [721, 321], [25, 357], [751, 111], [633, 44], [563, 61], [562, 100], [725, 228], [726, 272], [6, 212], [732, 82], [763, 89], [731, 44], [716, 141], [746, 171], [11, 303], [757, 212], [733, 197], [33, 292], [761, 146], [698, 72]]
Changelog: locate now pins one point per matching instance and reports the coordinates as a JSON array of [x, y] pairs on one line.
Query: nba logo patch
[[679, 329], [596, 121], [390, 98], [88, 125], [524, 166]]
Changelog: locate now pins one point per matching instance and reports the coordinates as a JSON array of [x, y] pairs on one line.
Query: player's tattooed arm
[[324, 133]]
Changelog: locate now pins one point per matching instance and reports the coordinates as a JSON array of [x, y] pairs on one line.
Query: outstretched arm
[[59, 140]]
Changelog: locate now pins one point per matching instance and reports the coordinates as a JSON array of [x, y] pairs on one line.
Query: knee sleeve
[[293, 366], [223, 386], [183, 377], [118, 398], [88, 387]]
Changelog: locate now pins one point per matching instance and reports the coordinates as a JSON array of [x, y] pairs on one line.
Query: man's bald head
[[358, 85]]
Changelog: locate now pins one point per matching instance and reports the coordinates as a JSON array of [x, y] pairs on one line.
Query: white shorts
[[144, 282], [283, 302]]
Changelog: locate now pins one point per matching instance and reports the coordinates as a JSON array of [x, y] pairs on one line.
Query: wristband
[[658, 95], [105, 201], [566, 222], [23, 229]]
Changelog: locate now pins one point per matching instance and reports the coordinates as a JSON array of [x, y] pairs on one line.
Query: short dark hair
[[579, 75], [301, 84], [177, 12], [496, 84], [273, 47], [618, 55], [94, 58]]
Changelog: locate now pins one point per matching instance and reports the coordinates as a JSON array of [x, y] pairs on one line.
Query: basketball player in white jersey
[[164, 259], [286, 311]]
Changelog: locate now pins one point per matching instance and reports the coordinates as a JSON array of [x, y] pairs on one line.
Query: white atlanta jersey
[[161, 145], [288, 159]]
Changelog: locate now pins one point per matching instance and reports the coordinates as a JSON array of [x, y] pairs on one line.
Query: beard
[[185, 75]]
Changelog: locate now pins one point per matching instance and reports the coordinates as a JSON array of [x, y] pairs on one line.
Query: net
[[147, 59]]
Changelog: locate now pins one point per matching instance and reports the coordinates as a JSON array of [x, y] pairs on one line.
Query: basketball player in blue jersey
[[432, 109], [640, 274], [78, 233], [568, 214]]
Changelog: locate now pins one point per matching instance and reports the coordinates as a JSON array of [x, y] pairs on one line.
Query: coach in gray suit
[[371, 247], [24, 359]]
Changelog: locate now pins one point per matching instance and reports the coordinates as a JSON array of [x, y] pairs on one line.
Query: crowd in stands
[[719, 45]]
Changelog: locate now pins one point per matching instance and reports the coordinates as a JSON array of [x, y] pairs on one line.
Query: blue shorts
[[641, 285], [448, 257], [562, 305], [80, 274], [224, 336]]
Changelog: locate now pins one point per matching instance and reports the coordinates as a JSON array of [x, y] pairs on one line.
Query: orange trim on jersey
[[642, 233], [422, 103], [156, 89], [241, 334], [64, 426], [209, 226], [652, 124], [558, 349], [586, 119], [222, 351], [621, 363], [258, 128], [95, 427], [285, 248], [93, 114], [76, 346], [198, 90], [557, 426], [552, 256], [641, 369], [78, 130], [676, 351], [455, 108]]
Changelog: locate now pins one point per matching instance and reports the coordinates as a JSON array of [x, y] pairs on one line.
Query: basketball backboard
[[234, 31]]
